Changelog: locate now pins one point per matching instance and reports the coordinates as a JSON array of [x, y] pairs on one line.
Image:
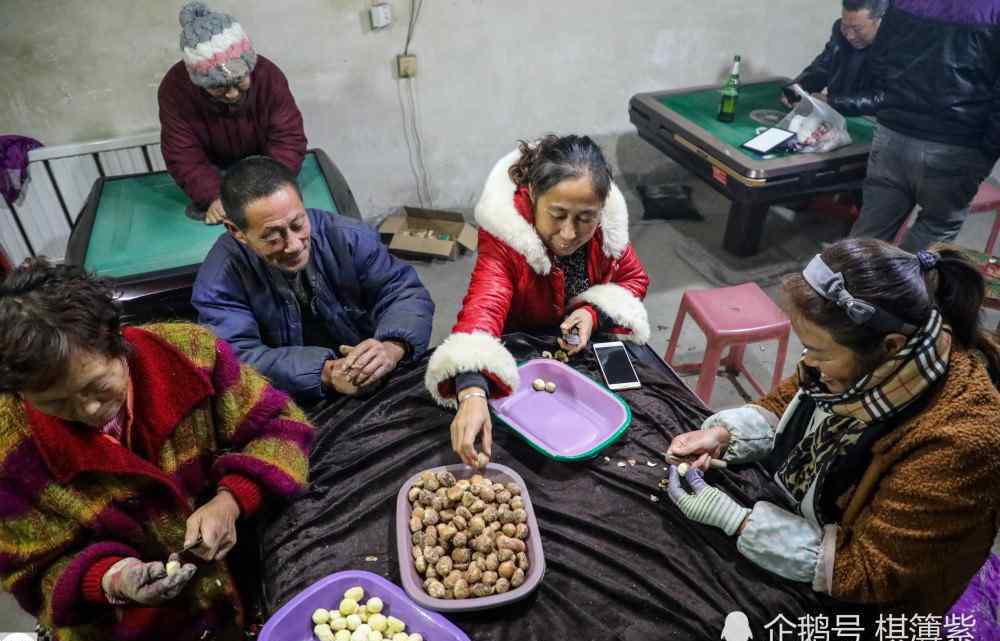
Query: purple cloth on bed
[[982, 600], [14, 164]]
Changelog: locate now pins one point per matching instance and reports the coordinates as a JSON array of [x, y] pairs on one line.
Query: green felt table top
[[702, 108], [140, 226]]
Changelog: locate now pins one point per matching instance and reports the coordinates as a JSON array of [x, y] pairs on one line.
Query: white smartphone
[[769, 140], [616, 366]]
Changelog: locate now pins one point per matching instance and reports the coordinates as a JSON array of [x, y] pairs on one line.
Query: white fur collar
[[496, 213]]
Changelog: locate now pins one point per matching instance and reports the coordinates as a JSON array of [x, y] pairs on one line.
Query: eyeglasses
[[219, 92], [853, 30]]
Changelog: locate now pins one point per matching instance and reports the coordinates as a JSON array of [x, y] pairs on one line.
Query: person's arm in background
[[993, 134], [286, 137], [186, 160], [222, 306], [816, 77]]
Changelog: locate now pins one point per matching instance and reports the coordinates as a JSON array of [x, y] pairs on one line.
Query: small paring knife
[[715, 463], [190, 546]]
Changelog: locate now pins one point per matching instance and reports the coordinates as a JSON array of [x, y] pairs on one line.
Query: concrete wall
[[490, 72]]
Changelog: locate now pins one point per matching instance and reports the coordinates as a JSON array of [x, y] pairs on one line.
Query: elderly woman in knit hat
[[886, 441], [222, 103], [127, 458]]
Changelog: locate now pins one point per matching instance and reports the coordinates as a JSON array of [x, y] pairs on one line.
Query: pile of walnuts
[[468, 536]]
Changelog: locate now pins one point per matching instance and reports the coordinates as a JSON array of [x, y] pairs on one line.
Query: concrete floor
[[678, 256]]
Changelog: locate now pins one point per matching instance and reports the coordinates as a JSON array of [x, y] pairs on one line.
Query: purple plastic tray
[[412, 582], [293, 622], [575, 422]]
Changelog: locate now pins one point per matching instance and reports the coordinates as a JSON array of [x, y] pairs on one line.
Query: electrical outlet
[[406, 65]]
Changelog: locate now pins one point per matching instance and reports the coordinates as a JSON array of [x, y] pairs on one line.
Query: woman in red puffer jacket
[[553, 251]]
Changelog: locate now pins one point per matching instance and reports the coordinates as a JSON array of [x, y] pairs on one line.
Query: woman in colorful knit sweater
[[886, 441], [119, 447]]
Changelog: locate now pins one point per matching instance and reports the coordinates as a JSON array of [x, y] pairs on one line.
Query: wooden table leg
[[745, 228]]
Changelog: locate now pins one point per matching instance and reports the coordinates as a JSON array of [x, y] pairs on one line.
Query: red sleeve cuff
[[593, 316], [139, 622], [246, 492], [498, 389], [92, 590]]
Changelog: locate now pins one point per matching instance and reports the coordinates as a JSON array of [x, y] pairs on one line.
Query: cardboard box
[[406, 233]]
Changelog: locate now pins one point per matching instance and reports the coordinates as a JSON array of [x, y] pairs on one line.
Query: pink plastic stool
[[730, 317], [987, 201]]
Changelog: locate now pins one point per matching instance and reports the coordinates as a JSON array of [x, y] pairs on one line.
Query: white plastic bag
[[817, 126]]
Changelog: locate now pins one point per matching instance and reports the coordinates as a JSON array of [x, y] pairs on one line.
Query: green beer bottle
[[730, 94]]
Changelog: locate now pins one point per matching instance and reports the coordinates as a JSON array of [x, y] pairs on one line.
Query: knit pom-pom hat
[[217, 53]]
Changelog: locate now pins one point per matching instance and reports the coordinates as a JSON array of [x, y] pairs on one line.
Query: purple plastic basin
[[293, 622], [575, 422], [414, 584]]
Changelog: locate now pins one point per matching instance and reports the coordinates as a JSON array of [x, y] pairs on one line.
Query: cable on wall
[[411, 117]]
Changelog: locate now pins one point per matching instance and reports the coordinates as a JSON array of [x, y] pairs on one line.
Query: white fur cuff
[[496, 213], [475, 352], [620, 306]]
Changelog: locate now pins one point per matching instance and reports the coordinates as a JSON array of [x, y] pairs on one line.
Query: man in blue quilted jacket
[[313, 300]]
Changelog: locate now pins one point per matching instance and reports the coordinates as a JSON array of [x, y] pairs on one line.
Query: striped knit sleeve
[[45, 559], [267, 435]]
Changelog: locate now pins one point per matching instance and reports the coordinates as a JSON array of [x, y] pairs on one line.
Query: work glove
[[133, 581], [705, 504]]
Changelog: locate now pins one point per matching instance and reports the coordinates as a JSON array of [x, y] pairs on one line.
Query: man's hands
[[335, 377], [370, 361], [363, 365], [473, 418], [580, 322], [215, 522], [132, 581], [790, 104], [215, 213]]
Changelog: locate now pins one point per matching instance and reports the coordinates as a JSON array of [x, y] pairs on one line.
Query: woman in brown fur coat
[[886, 441]]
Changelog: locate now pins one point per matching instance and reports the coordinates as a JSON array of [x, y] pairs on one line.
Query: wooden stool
[[730, 317]]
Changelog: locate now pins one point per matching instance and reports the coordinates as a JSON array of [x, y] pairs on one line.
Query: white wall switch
[[381, 15]]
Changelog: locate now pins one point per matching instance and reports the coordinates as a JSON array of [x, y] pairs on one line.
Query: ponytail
[[547, 162], [520, 172], [959, 288]]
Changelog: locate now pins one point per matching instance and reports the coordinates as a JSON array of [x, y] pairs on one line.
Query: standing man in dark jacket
[[936, 93], [293, 290], [842, 68], [222, 103]]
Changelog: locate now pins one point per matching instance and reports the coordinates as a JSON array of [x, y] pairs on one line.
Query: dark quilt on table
[[619, 565]]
